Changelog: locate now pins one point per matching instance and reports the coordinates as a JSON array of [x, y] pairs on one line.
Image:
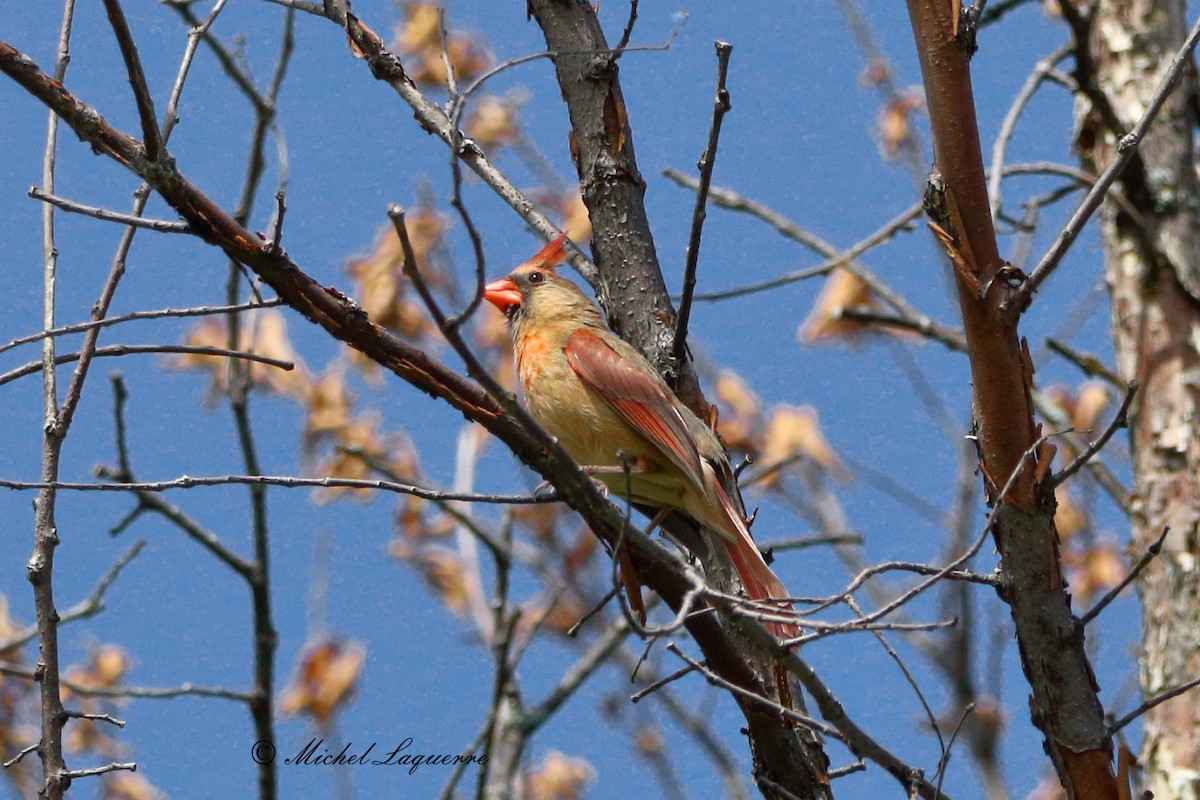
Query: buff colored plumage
[[609, 408]]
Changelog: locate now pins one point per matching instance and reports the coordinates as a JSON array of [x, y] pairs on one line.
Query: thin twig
[[819, 540], [757, 699], [849, 769], [827, 629], [926, 327], [623, 42], [661, 682], [12, 762], [573, 631], [937, 575], [728, 199], [280, 211], [857, 740], [1103, 476], [160, 225], [141, 196], [109, 718], [1151, 703], [587, 664], [227, 60], [497, 548], [88, 607], [1000, 149], [316, 9], [1121, 420], [119, 350], [707, 163], [197, 311], [692, 721], [1088, 363], [912, 682], [613, 54], [133, 692], [1151, 553], [151, 138], [944, 761], [129, 766], [456, 195], [387, 67], [284, 481], [1127, 147]]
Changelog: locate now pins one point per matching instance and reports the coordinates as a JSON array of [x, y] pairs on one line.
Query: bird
[[617, 418]]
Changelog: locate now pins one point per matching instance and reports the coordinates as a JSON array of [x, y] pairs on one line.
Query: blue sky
[[800, 138]]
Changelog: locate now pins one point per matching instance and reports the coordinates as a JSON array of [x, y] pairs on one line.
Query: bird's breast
[[557, 398]]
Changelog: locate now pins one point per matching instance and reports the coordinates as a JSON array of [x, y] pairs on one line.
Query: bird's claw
[[546, 487], [600, 485]]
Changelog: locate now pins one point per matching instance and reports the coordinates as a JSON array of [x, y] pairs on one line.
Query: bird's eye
[[537, 277]]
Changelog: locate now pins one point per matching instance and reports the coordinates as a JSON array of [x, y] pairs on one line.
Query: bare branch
[[623, 42], [198, 311], [40, 567], [160, 225], [284, 481], [151, 138], [1000, 149], [88, 607], [1088, 363], [1151, 553], [661, 682], [1121, 420], [1158, 699], [707, 163], [133, 692], [587, 664], [119, 350], [757, 699], [12, 762], [1127, 147], [109, 718], [129, 766]]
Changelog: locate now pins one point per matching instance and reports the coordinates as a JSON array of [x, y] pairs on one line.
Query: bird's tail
[[761, 583]]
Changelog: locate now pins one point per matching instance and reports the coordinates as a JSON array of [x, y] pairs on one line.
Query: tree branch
[[708, 161]]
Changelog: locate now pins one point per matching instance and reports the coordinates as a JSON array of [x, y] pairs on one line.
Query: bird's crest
[[549, 256]]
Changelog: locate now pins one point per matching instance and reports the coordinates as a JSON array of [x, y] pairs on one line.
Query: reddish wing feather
[[639, 400]]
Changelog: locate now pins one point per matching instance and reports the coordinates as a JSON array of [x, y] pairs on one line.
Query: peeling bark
[[1014, 461], [1153, 272]]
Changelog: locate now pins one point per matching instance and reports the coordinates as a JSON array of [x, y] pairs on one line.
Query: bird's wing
[[644, 403]]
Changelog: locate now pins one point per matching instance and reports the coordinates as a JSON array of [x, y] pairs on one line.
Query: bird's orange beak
[[503, 294]]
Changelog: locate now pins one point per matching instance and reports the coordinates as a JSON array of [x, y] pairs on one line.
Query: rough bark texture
[[1063, 700], [1153, 270], [630, 286], [629, 282]]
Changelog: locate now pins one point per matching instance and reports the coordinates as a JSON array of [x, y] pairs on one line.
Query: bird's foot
[[546, 486], [600, 485]]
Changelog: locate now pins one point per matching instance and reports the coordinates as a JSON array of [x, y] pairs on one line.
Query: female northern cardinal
[[616, 417]]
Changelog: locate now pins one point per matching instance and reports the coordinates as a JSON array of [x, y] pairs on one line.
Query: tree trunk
[[1153, 272]]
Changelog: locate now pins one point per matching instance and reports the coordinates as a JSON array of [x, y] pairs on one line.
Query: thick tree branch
[[629, 282], [1064, 702]]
